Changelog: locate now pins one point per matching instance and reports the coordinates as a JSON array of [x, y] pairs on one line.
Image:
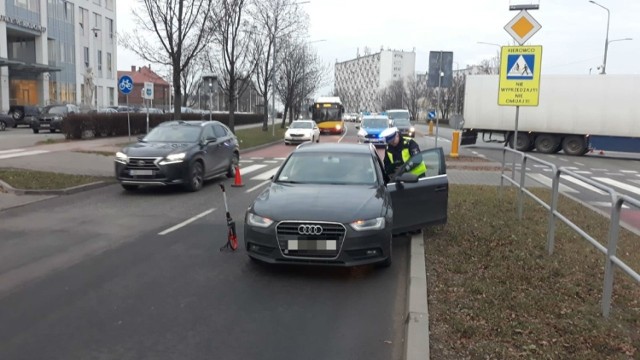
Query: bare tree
[[414, 91], [232, 35], [490, 66], [291, 76], [391, 97], [181, 26], [191, 80], [275, 20]]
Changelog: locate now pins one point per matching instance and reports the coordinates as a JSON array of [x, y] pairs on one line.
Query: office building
[[58, 52]]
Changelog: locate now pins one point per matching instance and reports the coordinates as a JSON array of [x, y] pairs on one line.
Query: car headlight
[[173, 158], [258, 221], [372, 224], [362, 132], [412, 129], [57, 118], [121, 157], [338, 127]]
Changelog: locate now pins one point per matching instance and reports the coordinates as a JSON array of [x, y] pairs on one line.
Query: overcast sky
[[572, 34]]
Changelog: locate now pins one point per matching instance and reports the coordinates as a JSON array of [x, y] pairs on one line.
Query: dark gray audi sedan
[[332, 204]]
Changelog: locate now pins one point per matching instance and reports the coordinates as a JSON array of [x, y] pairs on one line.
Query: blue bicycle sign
[[125, 84]]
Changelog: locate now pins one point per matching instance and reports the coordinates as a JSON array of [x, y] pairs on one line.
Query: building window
[[100, 61], [68, 12], [31, 5], [110, 27], [84, 15], [97, 19], [111, 96], [109, 65], [108, 4], [86, 57]]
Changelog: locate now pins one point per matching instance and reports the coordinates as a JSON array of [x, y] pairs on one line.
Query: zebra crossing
[[14, 153]]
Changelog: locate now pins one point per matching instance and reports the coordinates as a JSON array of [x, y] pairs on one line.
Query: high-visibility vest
[[418, 170]]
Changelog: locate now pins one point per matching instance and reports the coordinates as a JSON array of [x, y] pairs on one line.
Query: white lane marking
[[346, 130], [619, 184], [548, 182], [538, 165], [583, 184], [246, 161], [270, 161], [26, 153], [599, 170], [266, 175], [10, 151], [571, 168], [579, 164], [474, 152], [629, 171], [563, 159], [186, 222], [251, 168], [258, 186], [280, 158], [583, 172], [257, 158], [547, 170], [606, 204]]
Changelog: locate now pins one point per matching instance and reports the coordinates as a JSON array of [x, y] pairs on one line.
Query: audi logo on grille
[[309, 229]]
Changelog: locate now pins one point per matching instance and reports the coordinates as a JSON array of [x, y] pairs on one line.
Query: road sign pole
[[439, 95], [515, 144], [128, 119]]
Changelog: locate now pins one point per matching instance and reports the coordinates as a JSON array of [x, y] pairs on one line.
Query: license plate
[[312, 245], [140, 172]]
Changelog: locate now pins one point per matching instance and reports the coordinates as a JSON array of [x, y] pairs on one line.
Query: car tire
[[52, 130], [235, 161], [129, 187], [3, 126], [196, 177], [35, 131], [318, 139]]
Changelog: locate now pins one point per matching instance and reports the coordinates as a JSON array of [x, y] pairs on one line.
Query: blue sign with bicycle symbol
[[125, 84]]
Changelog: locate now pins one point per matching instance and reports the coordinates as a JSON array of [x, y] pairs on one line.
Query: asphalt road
[[107, 274]]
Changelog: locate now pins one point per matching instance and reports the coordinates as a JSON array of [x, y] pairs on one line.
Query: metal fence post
[[607, 291], [551, 231]]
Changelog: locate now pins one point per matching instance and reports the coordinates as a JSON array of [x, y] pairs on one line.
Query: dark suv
[[402, 120], [179, 152], [52, 117], [24, 114]]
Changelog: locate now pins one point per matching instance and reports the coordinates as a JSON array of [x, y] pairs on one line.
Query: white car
[[302, 130]]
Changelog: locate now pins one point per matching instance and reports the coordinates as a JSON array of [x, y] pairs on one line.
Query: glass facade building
[[57, 52]]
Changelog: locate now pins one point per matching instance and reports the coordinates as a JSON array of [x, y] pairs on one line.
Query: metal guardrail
[[617, 200]]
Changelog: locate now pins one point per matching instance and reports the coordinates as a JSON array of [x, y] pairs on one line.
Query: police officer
[[398, 152]]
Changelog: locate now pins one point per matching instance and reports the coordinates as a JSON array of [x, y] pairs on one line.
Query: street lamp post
[[606, 39]]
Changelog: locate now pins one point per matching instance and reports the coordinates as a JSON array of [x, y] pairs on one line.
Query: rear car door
[[423, 203]]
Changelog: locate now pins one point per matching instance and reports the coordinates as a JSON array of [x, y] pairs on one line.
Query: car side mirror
[[209, 140], [140, 138], [357, 127]]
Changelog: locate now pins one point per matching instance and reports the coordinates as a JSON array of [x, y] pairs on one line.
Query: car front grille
[[310, 244], [140, 163], [297, 135]]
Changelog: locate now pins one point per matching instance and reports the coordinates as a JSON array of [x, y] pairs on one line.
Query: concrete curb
[[417, 331], [66, 191]]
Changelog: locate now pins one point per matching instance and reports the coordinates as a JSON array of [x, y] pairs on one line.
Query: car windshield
[[174, 134], [301, 125], [398, 115], [57, 110], [401, 122], [326, 114], [375, 123], [328, 168]]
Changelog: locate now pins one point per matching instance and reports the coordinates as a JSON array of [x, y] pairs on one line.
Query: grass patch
[[254, 136], [52, 141], [42, 180], [465, 158], [495, 293]]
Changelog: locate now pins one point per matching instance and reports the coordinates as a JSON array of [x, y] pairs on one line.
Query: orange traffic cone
[[238, 180]]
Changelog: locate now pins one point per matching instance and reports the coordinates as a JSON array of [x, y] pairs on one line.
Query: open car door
[[419, 202]]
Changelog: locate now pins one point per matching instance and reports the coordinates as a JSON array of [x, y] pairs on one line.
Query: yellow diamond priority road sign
[[520, 75], [522, 27]]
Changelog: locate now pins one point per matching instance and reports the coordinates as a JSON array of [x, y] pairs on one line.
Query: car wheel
[[35, 131], [52, 130], [235, 161], [130, 187], [17, 114], [196, 177], [3, 126], [318, 139]]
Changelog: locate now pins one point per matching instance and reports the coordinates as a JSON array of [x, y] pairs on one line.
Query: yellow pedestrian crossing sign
[[520, 75]]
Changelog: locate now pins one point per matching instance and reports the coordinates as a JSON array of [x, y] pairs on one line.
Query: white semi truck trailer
[[576, 113]]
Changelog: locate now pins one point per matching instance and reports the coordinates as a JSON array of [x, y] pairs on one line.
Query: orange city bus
[[327, 113]]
